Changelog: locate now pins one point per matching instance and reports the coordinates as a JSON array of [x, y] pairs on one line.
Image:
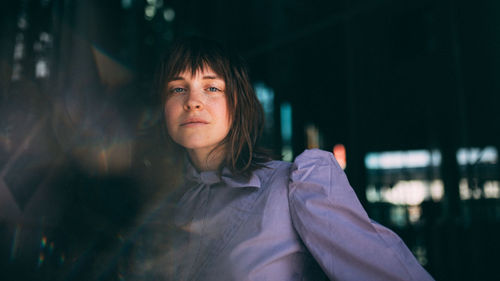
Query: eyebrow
[[206, 77]]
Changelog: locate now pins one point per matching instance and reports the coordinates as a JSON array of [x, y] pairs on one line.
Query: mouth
[[193, 121]]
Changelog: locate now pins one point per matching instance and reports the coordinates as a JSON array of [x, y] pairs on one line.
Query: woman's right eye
[[177, 90]]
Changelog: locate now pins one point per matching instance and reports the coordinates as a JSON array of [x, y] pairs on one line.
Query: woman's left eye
[[213, 89]]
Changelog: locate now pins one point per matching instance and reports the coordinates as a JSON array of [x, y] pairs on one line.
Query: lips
[[193, 121]]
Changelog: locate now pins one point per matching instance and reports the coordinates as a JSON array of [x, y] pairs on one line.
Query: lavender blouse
[[297, 221]]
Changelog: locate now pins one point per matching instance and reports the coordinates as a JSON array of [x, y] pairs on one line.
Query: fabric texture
[[286, 222]]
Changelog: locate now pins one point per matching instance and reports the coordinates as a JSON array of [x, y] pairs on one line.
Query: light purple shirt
[[278, 225]]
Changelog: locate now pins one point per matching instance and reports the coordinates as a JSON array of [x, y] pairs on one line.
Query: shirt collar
[[227, 177]]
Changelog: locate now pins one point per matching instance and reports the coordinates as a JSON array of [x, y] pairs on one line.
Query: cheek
[[169, 112], [224, 115], [229, 121]]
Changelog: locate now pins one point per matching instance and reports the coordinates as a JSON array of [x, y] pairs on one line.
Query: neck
[[206, 160]]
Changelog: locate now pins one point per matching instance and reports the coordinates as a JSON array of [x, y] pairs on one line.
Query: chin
[[194, 145]]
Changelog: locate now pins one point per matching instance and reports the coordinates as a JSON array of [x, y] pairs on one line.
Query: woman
[[240, 216]]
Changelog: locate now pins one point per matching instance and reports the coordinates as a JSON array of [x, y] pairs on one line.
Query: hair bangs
[[196, 58]]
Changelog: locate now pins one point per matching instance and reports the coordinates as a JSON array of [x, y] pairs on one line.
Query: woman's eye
[[213, 89], [177, 90]]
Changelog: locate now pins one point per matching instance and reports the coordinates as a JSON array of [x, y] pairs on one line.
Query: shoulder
[[317, 172], [310, 163], [315, 157], [315, 163]]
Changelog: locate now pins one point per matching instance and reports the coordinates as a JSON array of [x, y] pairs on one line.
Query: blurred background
[[405, 93]]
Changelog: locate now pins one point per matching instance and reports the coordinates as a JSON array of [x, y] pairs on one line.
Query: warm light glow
[[43, 243], [313, 136], [436, 190], [412, 192], [41, 259], [463, 188], [406, 193], [340, 155], [492, 189], [414, 213]]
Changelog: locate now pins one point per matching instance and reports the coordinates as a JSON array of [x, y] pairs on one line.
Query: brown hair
[[246, 113]]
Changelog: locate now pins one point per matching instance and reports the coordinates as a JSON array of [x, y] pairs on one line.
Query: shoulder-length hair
[[242, 156]]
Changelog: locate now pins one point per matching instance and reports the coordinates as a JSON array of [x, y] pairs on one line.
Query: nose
[[193, 101]]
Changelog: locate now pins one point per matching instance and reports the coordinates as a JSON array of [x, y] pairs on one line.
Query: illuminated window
[[286, 131], [492, 189], [478, 169], [266, 98], [466, 156], [436, 190], [404, 177], [402, 159], [313, 136], [41, 69], [265, 95]]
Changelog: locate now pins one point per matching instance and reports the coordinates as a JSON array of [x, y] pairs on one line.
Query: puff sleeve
[[336, 229]]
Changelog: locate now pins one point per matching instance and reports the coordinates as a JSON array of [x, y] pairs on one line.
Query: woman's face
[[196, 111]]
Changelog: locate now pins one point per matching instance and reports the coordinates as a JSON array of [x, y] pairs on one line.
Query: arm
[[336, 229]]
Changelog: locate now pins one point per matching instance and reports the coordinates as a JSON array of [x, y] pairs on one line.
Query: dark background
[[81, 148]]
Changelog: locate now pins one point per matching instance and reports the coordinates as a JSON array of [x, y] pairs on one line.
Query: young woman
[[241, 216]]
